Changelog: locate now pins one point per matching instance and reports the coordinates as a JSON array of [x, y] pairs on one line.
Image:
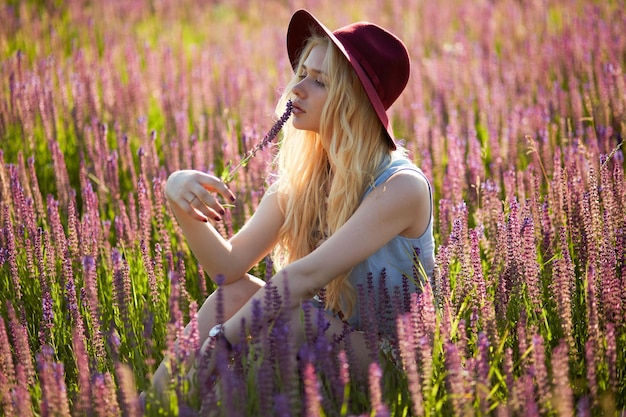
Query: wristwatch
[[217, 332]]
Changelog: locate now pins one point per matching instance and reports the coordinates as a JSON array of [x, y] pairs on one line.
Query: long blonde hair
[[321, 182]]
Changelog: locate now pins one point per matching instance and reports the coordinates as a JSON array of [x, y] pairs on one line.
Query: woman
[[347, 202]]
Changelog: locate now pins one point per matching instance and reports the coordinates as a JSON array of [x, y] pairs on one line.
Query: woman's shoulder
[[410, 182], [276, 194], [402, 170]]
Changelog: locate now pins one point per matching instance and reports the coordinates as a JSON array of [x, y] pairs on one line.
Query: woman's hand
[[194, 192]]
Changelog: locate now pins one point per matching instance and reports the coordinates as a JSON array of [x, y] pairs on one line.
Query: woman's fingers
[[204, 202], [212, 183], [194, 208], [194, 192]]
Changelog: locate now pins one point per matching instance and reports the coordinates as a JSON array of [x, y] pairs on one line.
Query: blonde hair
[[322, 181]]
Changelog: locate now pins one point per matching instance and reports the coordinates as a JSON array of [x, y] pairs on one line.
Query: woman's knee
[[237, 293]]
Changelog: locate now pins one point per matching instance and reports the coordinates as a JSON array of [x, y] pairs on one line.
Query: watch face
[[216, 330]]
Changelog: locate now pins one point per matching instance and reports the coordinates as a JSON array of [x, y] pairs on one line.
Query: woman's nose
[[298, 89]]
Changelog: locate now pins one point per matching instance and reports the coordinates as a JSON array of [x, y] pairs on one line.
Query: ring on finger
[[195, 197]]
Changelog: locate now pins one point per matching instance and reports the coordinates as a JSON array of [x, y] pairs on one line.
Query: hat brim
[[301, 27]]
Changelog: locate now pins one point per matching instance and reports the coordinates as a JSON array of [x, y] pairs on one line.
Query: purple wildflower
[[609, 281], [584, 407], [423, 308], [201, 281], [265, 383], [523, 339], [444, 220], [28, 251], [455, 379], [369, 318], [163, 239], [122, 223], [425, 349], [267, 139], [126, 390], [12, 251], [229, 382], [47, 315], [563, 394], [590, 366], [22, 202], [540, 374], [21, 395], [145, 212], [563, 287], [258, 320], [344, 367], [530, 265], [91, 300], [152, 279], [36, 193], [57, 231], [54, 396], [5, 395], [72, 227], [21, 347], [5, 194], [132, 214], [206, 381], [507, 366], [70, 290], [122, 287], [482, 372], [407, 354], [281, 406], [312, 404], [92, 229], [611, 356], [487, 310], [375, 375], [524, 386], [103, 395], [284, 349], [60, 171], [7, 370], [593, 322], [462, 340], [441, 275], [83, 402], [384, 308], [46, 298], [547, 229]]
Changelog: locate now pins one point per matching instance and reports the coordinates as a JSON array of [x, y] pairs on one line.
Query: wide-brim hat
[[379, 58]]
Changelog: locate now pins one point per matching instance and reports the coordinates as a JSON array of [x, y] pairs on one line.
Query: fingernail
[[222, 212], [205, 220], [218, 218], [232, 198]]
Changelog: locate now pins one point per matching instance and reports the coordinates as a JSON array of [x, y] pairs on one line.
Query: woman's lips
[[297, 109]]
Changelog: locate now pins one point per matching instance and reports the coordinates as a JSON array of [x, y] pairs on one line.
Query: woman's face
[[310, 91]]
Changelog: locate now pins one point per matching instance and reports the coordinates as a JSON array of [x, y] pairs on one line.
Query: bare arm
[[401, 206], [191, 194]]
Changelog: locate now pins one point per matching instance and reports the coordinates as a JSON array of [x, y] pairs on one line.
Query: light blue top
[[395, 260]]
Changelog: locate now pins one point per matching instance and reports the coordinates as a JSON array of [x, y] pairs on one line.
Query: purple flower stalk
[[269, 137], [312, 404]]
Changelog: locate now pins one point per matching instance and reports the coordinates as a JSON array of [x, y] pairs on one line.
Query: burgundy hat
[[379, 58]]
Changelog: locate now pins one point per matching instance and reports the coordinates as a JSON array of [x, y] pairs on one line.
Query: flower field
[[516, 110]]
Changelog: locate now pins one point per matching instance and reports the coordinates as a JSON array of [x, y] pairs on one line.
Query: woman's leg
[[353, 341], [337, 330], [234, 296], [360, 355]]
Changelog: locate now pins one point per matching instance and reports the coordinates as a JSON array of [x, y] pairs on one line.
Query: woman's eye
[[320, 83]]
